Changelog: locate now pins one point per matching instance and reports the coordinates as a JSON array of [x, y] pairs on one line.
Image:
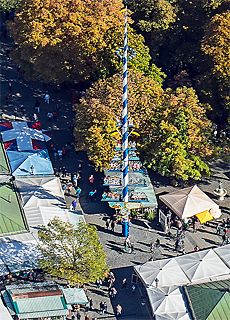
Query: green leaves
[[74, 254]]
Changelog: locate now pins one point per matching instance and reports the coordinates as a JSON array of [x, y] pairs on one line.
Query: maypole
[[125, 117]]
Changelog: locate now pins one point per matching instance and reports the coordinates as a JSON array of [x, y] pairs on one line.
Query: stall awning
[[204, 216]]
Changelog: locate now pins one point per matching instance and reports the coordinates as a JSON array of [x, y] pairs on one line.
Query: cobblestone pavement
[[141, 231]]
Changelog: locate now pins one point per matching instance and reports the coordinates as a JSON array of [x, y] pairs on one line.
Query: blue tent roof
[[30, 162]]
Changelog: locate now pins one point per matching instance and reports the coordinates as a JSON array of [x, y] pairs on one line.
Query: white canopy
[[202, 264], [23, 135], [166, 271], [224, 253], [167, 301], [43, 199], [44, 191], [189, 202], [75, 296], [173, 316]]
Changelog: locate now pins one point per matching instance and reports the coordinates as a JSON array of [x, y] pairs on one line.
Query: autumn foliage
[[174, 128], [64, 40]]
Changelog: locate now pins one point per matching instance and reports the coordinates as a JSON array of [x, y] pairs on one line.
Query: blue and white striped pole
[[125, 117]]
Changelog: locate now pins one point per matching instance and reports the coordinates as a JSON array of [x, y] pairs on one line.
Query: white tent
[[37, 191], [43, 199], [224, 253], [166, 271], [189, 202], [173, 316], [74, 296], [24, 134], [37, 216], [202, 264], [167, 301]]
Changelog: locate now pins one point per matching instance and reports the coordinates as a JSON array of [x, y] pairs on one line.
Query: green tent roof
[[12, 218], [4, 164], [209, 301], [37, 300]]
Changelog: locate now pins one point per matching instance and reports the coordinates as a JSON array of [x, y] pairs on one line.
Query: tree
[[64, 40], [9, 5], [71, 253], [173, 125], [178, 144], [153, 15], [215, 44]]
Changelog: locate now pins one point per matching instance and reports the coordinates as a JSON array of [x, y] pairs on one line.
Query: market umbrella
[[166, 271], [204, 216], [188, 202], [167, 300], [30, 162], [202, 264]]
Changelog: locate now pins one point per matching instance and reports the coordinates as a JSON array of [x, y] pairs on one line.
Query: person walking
[[91, 195], [55, 115], [112, 225], [74, 204], [91, 180], [47, 98], [49, 116], [107, 224], [218, 228], [113, 292], [90, 303], [224, 239], [35, 117], [9, 86], [98, 283], [37, 106], [118, 309], [124, 284], [78, 192], [104, 307]]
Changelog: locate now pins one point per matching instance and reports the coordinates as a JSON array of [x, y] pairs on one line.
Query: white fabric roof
[[42, 215], [18, 253], [24, 135], [75, 296], [202, 264], [189, 202], [4, 313], [37, 191], [167, 301], [167, 271], [43, 199], [173, 316], [224, 253]]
